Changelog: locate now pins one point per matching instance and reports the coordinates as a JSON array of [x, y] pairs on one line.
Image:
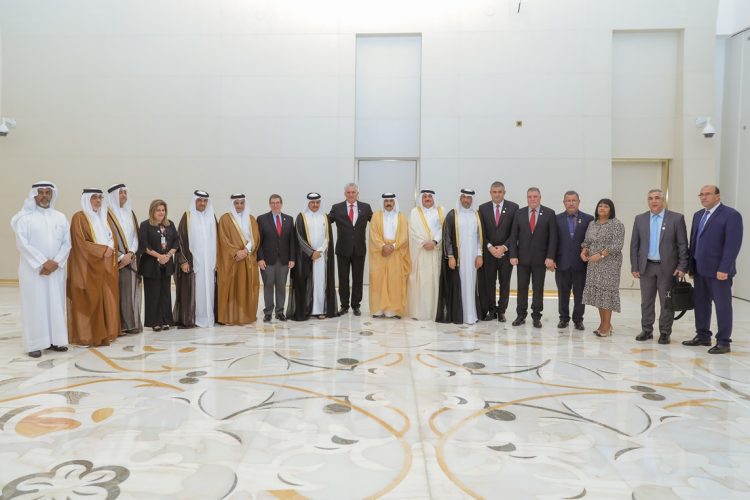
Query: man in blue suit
[[715, 241], [570, 272]]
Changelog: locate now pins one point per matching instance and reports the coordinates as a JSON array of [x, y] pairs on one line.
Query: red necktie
[[278, 225], [351, 213], [532, 221], [497, 215]]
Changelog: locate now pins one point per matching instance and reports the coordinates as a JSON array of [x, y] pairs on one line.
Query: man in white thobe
[[458, 298], [313, 287], [197, 260], [43, 239], [425, 235]]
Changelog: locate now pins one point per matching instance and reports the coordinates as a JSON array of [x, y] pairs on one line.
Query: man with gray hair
[[658, 254], [351, 217]]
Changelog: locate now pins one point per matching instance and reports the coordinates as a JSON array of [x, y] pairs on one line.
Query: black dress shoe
[[501, 318], [579, 325], [156, 328], [720, 349], [281, 317], [35, 354], [696, 341], [664, 338], [396, 316], [644, 336], [343, 310], [58, 348], [489, 316], [519, 321], [378, 316], [266, 318], [537, 323], [563, 324], [357, 312]]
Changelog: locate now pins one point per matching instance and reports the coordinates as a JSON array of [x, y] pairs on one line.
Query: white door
[[631, 182], [376, 177]]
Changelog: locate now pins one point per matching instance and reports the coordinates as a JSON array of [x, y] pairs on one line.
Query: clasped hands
[[478, 262], [48, 268]]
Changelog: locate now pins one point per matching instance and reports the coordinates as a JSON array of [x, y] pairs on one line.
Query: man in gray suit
[[658, 253]]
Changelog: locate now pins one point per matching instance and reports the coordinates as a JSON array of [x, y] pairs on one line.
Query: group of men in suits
[[660, 253]]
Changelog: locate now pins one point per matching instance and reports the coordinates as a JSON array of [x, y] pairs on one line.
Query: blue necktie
[[654, 237], [701, 224]]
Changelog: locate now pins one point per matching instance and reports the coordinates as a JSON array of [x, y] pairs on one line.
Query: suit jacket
[[350, 239], [150, 237], [719, 243], [532, 249], [569, 249], [497, 234], [274, 248], [673, 242]]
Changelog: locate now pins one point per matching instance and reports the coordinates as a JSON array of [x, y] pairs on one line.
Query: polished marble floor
[[362, 408]]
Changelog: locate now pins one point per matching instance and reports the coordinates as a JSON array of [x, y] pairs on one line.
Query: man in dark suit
[[275, 256], [351, 218], [658, 253], [715, 241], [570, 270], [497, 221], [533, 249]]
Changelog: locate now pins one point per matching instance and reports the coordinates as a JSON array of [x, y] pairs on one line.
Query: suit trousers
[[497, 270], [274, 287], [157, 298], [708, 289], [535, 274], [357, 265], [655, 279], [568, 281]]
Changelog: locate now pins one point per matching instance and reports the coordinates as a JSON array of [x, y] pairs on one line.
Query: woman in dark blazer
[[159, 243]]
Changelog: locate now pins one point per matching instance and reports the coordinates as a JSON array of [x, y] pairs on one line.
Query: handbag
[[680, 297]]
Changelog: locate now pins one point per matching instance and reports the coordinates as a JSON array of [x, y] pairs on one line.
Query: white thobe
[[424, 279], [316, 224], [203, 246], [42, 235], [470, 248]]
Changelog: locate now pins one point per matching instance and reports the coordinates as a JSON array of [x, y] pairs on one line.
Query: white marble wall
[[171, 95]]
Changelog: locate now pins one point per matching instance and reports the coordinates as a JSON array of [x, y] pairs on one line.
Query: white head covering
[[208, 213], [466, 192], [390, 219], [311, 197], [434, 199], [124, 215], [29, 204], [102, 233], [243, 219], [389, 196]]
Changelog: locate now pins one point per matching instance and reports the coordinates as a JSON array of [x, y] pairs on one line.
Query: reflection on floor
[[357, 407]]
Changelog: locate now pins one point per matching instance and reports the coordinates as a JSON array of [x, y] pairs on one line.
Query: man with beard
[[43, 240], [458, 298], [313, 277]]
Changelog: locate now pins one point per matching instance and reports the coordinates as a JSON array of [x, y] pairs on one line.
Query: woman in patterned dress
[[602, 249]]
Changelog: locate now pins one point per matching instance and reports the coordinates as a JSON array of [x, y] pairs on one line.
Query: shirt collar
[[574, 214], [660, 214], [712, 210]]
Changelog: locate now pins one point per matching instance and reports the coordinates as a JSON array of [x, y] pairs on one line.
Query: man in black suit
[[533, 249], [497, 221], [275, 256], [351, 218], [570, 270]]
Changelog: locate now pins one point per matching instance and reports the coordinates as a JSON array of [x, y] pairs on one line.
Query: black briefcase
[[680, 297]]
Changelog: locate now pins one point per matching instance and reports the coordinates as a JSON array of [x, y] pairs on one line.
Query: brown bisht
[[450, 305], [92, 287], [128, 279], [238, 282], [300, 305]]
